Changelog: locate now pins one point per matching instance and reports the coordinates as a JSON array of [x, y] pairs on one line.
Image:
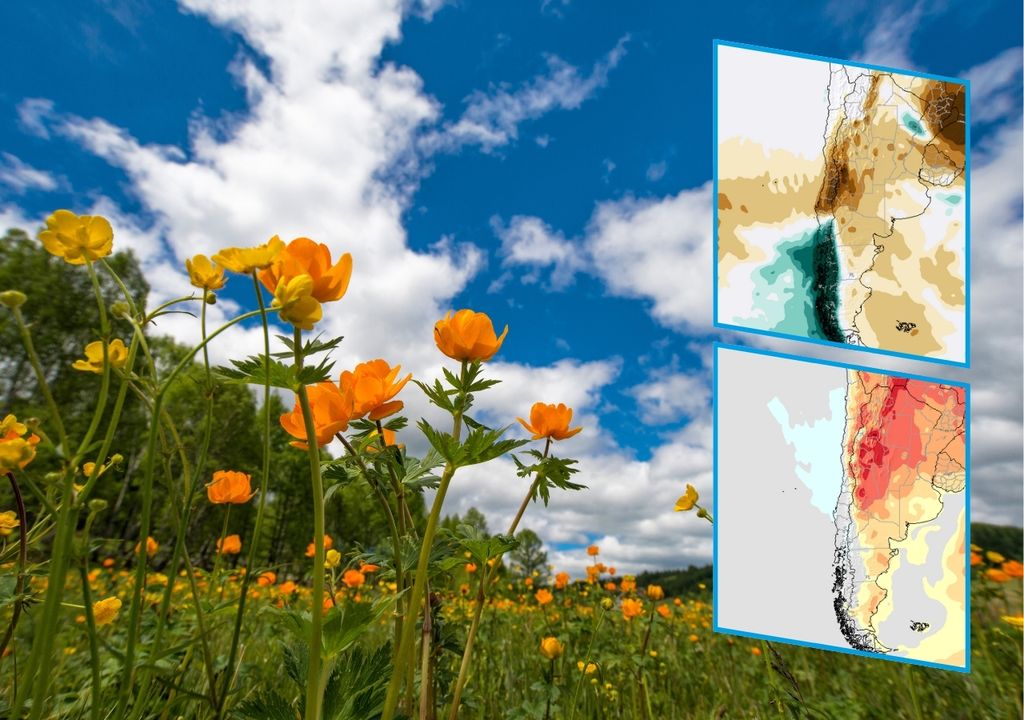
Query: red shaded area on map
[[894, 421]]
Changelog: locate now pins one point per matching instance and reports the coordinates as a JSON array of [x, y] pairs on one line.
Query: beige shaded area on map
[[910, 497], [902, 258], [759, 188]]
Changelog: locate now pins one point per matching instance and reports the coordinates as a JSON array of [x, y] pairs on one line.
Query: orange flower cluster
[[369, 390]]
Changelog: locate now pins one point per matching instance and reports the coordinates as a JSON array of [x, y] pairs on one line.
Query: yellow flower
[[333, 559], [10, 425], [203, 274], [15, 452], [246, 260], [586, 668], [117, 354], [294, 298], [1016, 620], [687, 501], [654, 592], [551, 648], [8, 522], [994, 557], [77, 238], [550, 421], [468, 336], [105, 611]]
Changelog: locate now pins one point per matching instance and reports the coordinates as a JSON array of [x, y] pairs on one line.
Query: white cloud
[[888, 42], [656, 171], [658, 250], [669, 397], [492, 118], [527, 241], [19, 176], [995, 86]]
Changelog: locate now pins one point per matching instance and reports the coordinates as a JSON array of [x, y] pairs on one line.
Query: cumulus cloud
[[529, 242]]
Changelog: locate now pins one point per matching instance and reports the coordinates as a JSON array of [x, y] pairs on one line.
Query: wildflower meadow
[[177, 540]]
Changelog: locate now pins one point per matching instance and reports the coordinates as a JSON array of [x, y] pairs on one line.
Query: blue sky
[[502, 156]]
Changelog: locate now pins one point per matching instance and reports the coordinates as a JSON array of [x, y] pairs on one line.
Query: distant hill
[[1004, 539]]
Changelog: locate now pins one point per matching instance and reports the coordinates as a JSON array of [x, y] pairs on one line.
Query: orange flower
[[550, 421], [267, 578], [287, 587], [303, 256], [628, 584], [368, 568], [230, 487], [230, 545], [561, 580], [332, 412], [1013, 568], [353, 578], [371, 387], [544, 596], [997, 575], [611, 571], [151, 547], [756, 651], [108, 562], [976, 559], [467, 336], [592, 551], [609, 586], [632, 608], [311, 548], [654, 592], [528, 582], [471, 567], [665, 611], [551, 648]]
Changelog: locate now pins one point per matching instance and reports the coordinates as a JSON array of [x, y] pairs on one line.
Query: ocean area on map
[[817, 448], [797, 291]]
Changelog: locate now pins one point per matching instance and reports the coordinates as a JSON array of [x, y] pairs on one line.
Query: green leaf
[[447, 446], [357, 687], [253, 371], [310, 347], [267, 705], [344, 624]]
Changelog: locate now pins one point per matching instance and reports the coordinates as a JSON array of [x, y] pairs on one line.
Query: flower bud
[[97, 505], [116, 459], [702, 513], [607, 603], [13, 298], [211, 298], [121, 309]]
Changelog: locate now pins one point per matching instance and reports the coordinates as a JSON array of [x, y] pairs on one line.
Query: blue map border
[[966, 363], [718, 346]]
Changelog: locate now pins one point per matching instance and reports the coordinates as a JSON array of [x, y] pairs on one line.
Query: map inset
[[842, 203], [841, 508]]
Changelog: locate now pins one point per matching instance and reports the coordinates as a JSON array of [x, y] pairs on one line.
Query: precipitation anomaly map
[[841, 203], [856, 482]]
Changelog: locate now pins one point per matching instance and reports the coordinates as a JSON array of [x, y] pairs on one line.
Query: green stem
[[254, 541], [44, 387], [147, 509], [485, 578], [407, 645], [94, 652], [392, 526], [586, 661], [19, 585], [314, 693]]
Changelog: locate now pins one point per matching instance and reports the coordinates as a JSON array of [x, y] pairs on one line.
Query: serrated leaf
[[253, 371], [446, 446], [267, 705]]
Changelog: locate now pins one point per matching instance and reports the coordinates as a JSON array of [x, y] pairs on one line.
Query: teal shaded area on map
[[804, 277]]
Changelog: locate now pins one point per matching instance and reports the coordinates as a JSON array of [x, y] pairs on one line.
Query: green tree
[[529, 557]]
